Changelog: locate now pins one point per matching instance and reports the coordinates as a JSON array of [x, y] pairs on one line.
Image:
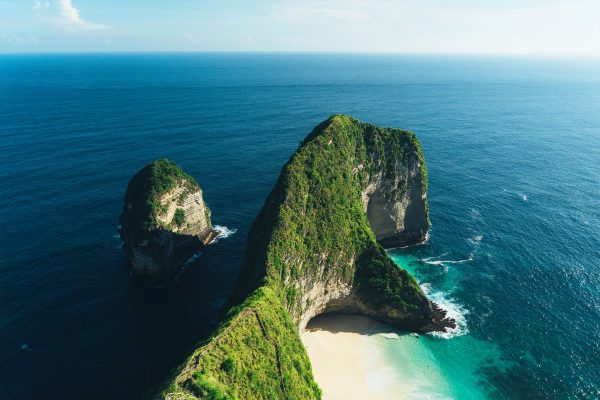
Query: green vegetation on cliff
[[312, 230], [179, 217], [314, 215], [255, 354], [142, 197]]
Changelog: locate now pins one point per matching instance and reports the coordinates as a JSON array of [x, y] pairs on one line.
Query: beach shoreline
[[346, 364]]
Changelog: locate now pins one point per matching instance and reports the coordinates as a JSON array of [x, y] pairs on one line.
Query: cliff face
[[396, 204], [314, 249], [164, 219], [349, 186]]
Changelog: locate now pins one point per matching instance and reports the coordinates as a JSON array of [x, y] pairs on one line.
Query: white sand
[[346, 362]]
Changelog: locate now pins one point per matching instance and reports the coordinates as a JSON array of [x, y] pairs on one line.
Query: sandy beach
[[346, 363]]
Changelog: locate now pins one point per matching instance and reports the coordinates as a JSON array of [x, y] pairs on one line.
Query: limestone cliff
[[164, 219], [314, 249], [348, 182], [396, 201]]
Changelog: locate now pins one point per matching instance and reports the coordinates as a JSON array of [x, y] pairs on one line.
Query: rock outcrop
[[316, 247], [164, 221], [396, 203]]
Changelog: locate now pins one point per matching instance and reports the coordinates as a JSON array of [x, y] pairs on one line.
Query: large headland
[[317, 247]]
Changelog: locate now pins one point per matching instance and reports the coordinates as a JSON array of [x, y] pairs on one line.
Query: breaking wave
[[453, 310], [435, 260], [224, 232], [390, 335], [476, 239]]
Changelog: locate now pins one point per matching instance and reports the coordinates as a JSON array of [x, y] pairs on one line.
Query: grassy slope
[[313, 215], [255, 354]]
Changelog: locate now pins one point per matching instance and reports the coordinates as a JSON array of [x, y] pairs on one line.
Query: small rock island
[[164, 221], [317, 247]]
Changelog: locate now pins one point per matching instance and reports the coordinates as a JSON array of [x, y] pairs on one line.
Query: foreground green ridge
[[314, 249]]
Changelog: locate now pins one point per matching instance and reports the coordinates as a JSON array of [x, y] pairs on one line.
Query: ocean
[[513, 152]]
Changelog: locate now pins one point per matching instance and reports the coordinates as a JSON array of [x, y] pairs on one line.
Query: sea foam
[[453, 310], [436, 261], [224, 232]]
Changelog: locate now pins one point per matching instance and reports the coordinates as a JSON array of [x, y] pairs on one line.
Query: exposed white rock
[[197, 215], [162, 230], [396, 206]]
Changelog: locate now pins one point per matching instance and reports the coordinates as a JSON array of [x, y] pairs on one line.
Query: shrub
[[179, 217]]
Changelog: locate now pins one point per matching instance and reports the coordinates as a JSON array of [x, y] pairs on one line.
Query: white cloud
[[19, 39], [315, 10], [554, 27], [70, 17], [41, 5]]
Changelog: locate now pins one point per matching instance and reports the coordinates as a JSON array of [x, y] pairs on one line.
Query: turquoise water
[[513, 152], [436, 369], [448, 365]]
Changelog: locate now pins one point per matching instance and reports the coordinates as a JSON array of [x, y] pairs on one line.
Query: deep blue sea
[[513, 151]]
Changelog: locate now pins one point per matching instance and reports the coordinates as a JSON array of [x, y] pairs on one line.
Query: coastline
[[354, 358], [346, 362]]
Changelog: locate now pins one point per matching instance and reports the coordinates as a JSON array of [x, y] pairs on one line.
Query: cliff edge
[[164, 220], [316, 247]]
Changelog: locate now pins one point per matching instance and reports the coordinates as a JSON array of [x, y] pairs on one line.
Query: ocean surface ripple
[[513, 151]]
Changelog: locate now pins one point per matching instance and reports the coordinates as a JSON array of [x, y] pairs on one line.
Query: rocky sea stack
[[164, 220], [316, 247]]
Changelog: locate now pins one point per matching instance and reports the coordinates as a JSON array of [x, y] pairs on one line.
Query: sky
[[493, 27]]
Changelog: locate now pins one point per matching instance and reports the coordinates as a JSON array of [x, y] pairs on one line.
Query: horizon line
[[588, 56]]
